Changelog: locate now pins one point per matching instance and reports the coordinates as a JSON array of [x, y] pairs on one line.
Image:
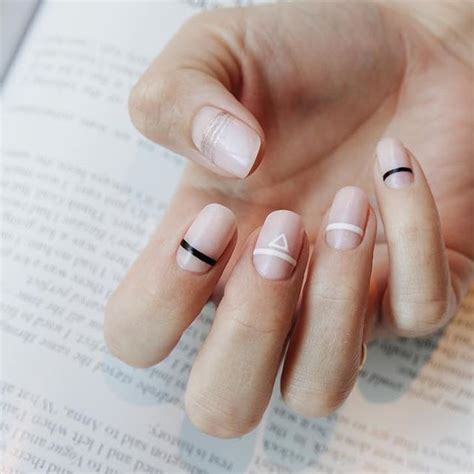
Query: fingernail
[[394, 163], [347, 218], [225, 141], [206, 239], [278, 246]]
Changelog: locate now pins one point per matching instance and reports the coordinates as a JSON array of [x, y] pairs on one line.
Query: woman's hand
[[297, 96]]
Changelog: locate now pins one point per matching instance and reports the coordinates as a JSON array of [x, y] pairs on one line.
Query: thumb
[[186, 100]]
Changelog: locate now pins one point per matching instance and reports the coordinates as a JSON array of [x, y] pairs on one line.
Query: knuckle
[[274, 318], [337, 299], [342, 296], [321, 394], [315, 401], [414, 231], [217, 418], [251, 326], [151, 104]]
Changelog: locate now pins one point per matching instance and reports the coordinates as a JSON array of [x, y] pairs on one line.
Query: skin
[[321, 83]]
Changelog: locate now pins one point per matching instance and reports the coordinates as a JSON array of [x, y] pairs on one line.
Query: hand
[[297, 95]]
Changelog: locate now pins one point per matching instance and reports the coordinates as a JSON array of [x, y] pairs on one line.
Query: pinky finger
[[420, 296]]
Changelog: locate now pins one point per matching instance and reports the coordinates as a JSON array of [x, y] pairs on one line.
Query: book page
[[15, 16], [81, 191]]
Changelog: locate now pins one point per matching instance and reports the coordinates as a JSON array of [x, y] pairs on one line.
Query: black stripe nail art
[[397, 170], [196, 253]]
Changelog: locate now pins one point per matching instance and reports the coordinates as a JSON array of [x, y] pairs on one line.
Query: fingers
[[326, 348], [167, 286], [232, 378], [186, 100], [419, 298]]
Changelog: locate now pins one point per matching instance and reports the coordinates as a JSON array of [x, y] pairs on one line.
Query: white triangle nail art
[[280, 243]]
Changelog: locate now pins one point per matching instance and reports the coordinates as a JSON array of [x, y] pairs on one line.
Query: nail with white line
[[347, 218], [278, 246]]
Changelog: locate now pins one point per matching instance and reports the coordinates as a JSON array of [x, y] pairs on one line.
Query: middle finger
[[232, 378]]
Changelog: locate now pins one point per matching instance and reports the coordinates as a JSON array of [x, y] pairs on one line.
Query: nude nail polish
[[278, 246], [347, 218], [206, 239], [394, 163], [224, 140]]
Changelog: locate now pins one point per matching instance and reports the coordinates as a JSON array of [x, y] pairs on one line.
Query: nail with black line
[[196, 253], [394, 163], [206, 239]]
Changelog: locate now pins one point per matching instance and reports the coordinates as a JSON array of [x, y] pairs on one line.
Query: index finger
[[168, 285]]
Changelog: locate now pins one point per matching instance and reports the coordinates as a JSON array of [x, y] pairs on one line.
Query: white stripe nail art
[[275, 253], [344, 226]]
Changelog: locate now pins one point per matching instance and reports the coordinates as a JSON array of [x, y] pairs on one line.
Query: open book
[[80, 192]]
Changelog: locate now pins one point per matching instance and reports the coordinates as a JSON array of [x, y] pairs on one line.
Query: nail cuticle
[[401, 169]]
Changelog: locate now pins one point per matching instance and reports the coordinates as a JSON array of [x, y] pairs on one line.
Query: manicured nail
[[225, 141], [278, 245], [394, 163], [347, 218], [206, 239]]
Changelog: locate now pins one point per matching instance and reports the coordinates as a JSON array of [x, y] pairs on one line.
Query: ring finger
[[325, 351]]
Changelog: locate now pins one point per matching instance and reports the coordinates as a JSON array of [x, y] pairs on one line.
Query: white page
[[81, 191]]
